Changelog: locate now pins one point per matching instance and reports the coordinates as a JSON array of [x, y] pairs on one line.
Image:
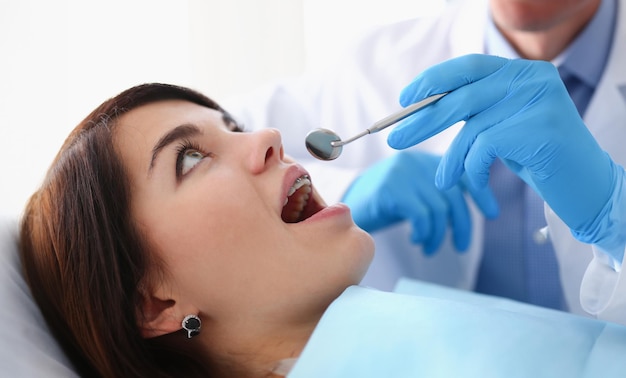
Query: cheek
[[173, 226], [214, 231], [190, 232], [200, 252]]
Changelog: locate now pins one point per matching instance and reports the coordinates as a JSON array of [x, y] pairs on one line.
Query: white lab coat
[[364, 86]]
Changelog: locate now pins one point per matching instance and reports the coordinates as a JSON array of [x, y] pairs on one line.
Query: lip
[[329, 211]]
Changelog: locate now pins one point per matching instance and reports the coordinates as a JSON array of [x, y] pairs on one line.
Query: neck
[[254, 351], [541, 30]]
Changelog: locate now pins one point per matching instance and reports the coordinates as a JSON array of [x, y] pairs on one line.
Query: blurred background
[[60, 59]]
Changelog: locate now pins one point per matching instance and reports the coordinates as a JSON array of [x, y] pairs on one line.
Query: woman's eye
[[189, 159]]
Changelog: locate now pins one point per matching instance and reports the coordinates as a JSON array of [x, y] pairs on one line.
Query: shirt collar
[[585, 57]]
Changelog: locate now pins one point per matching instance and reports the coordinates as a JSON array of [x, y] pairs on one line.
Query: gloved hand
[[519, 111], [402, 188]]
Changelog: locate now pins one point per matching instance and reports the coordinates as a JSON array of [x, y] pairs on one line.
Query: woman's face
[[212, 203]]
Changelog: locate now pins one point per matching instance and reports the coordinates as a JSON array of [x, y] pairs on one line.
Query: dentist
[[459, 237]]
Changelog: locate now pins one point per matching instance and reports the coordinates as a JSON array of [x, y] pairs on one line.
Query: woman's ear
[[158, 317], [160, 311]]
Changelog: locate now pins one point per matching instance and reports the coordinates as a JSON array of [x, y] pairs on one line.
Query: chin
[[364, 250], [352, 257]]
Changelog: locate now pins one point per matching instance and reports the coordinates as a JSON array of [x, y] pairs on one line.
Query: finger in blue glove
[[402, 188]]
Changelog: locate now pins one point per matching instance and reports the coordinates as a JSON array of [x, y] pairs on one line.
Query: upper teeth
[[300, 181], [297, 198]]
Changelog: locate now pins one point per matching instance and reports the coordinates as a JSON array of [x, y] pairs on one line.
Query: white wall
[[60, 59], [241, 44]]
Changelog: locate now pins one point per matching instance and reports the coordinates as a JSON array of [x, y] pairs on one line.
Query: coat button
[[541, 236]]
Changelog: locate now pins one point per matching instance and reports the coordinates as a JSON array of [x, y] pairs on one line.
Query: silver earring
[[192, 325]]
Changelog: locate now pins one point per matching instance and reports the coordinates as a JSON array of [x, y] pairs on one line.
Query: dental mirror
[[325, 144]]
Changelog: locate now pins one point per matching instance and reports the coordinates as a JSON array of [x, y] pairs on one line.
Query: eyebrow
[[180, 132]]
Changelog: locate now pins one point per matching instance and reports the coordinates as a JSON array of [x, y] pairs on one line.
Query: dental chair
[[27, 347]]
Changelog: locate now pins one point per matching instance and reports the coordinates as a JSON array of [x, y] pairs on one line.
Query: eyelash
[[186, 145], [181, 149]]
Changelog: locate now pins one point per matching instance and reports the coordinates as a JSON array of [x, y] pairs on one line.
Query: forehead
[[155, 119]]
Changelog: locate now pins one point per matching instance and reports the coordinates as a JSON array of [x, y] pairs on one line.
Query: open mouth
[[300, 203]]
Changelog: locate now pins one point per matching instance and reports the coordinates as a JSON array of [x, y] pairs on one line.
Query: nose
[[266, 148]]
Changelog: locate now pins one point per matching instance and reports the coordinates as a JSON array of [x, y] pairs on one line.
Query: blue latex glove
[[402, 187], [519, 111]]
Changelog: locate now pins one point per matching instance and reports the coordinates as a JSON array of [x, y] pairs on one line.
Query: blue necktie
[[518, 260], [579, 91]]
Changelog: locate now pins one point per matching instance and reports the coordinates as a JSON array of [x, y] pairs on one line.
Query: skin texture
[[259, 284], [540, 29]]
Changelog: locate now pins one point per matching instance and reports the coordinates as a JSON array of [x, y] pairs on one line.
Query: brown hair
[[83, 257]]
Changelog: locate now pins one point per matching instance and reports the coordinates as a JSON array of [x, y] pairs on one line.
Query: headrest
[[27, 348]]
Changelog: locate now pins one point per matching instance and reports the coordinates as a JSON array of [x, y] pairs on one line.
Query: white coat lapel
[[606, 115], [606, 119]]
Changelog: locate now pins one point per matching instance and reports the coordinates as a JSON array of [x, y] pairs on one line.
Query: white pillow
[[27, 348]]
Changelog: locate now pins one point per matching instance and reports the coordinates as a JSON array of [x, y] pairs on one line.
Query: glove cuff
[[608, 230]]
